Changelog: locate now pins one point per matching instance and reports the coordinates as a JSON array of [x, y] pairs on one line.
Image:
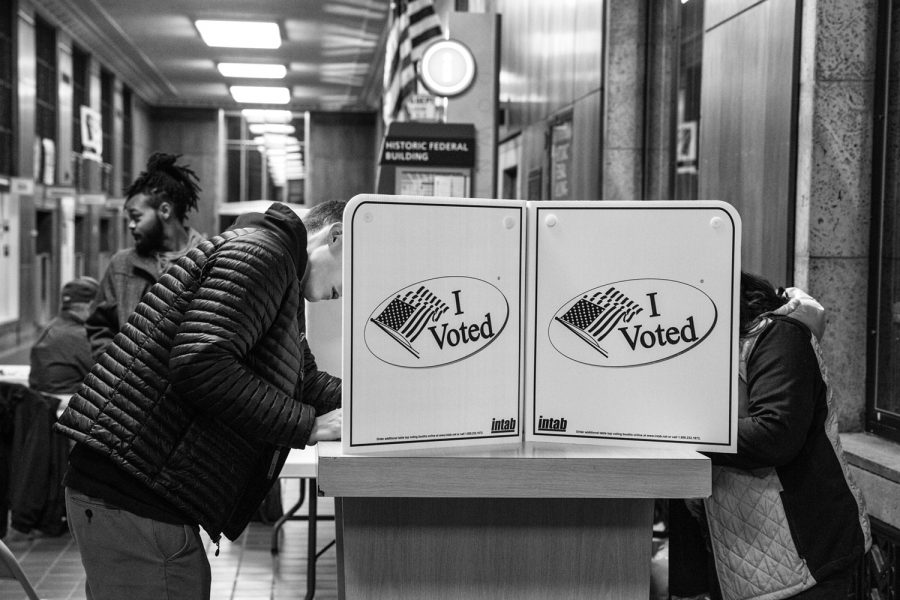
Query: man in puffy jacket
[[187, 418]]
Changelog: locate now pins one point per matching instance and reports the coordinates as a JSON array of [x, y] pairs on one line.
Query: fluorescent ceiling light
[[261, 128], [252, 70], [253, 94], [261, 115], [239, 34]]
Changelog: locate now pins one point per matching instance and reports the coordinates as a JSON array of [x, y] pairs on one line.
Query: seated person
[[61, 356]]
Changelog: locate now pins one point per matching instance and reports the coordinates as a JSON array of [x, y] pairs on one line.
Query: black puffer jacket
[[211, 379]]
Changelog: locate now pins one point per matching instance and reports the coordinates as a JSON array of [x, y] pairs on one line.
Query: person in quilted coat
[[785, 519], [187, 418]]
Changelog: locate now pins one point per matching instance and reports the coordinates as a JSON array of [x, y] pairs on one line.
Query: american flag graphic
[[414, 23], [592, 319], [404, 318]]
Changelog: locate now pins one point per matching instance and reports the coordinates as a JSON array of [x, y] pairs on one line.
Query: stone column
[[834, 185]]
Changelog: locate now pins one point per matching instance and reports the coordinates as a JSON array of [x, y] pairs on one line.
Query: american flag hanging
[[405, 318], [414, 23], [592, 319]]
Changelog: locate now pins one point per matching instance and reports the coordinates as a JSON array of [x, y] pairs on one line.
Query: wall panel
[[64, 175], [340, 154], [586, 147], [718, 11], [193, 133], [551, 55], [587, 48], [747, 129]]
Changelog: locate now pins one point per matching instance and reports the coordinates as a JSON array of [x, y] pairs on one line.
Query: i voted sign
[[634, 311], [632, 323], [436, 322], [433, 323]]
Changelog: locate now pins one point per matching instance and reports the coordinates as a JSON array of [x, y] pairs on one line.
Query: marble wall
[[623, 116], [838, 41]]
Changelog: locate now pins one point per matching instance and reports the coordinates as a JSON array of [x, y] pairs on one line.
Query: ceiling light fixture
[[252, 70], [239, 34], [261, 128], [254, 94], [263, 115]]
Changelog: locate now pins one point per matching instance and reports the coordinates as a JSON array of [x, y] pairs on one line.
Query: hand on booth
[[327, 427]]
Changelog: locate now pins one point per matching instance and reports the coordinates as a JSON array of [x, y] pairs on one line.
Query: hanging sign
[[429, 144]]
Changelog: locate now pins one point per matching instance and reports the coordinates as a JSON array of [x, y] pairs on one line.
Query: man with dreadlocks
[[157, 204]]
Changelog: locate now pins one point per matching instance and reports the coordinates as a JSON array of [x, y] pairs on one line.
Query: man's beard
[[150, 240]]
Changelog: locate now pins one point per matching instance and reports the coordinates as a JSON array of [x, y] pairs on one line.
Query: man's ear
[[165, 210], [335, 233]]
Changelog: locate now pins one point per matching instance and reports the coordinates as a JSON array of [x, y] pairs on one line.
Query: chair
[[10, 569]]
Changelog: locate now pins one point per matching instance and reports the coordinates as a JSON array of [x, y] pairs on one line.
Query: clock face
[[447, 68]]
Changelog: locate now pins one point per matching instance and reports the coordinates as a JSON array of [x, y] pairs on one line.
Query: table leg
[[276, 528], [311, 542]]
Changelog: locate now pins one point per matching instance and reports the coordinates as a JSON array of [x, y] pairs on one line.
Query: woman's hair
[[165, 181], [758, 297]]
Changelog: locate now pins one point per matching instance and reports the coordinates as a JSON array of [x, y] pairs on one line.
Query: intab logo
[[436, 322], [633, 322], [552, 424], [500, 425]]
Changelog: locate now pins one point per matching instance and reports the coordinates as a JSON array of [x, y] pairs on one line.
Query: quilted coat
[[211, 379], [784, 513]]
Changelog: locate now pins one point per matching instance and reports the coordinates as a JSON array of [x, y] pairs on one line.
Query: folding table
[[301, 464]]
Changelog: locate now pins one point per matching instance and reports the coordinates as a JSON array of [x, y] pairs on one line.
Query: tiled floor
[[244, 570]]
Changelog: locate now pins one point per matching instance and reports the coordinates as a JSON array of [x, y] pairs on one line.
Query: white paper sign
[[432, 323], [91, 133], [632, 323]]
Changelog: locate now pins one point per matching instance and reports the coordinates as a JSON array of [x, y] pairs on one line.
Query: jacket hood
[[284, 223], [804, 308]]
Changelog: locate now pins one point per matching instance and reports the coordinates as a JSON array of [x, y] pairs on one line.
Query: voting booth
[[521, 381], [433, 323], [620, 328]]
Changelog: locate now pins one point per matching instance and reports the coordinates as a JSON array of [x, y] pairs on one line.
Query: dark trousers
[[127, 557]]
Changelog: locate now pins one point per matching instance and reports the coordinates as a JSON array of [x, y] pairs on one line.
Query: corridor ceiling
[[331, 48]]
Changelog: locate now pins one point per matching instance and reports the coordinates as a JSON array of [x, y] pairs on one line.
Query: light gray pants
[[130, 557]]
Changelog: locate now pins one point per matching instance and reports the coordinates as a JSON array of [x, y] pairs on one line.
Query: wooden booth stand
[[557, 522], [521, 380]]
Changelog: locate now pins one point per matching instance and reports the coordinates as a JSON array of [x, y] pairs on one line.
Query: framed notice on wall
[[91, 133], [632, 323], [561, 159], [432, 323]]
